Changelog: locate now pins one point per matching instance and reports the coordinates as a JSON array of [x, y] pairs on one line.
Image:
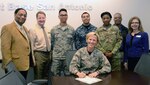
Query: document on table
[[89, 80]]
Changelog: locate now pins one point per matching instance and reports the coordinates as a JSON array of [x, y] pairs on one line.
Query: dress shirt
[[22, 30], [38, 39]]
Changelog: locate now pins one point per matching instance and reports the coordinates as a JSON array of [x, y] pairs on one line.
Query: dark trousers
[[132, 63], [24, 73]]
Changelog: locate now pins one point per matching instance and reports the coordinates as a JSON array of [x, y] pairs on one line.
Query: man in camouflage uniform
[[110, 41], [61, 40], [82, 30]]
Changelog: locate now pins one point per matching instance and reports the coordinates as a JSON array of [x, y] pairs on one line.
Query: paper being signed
[[89, 80]]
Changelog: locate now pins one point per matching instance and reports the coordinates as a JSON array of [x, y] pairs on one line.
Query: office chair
[[142, 66], [11, 78], [11, 67], [43, 81], [38, 82], [69, 55]]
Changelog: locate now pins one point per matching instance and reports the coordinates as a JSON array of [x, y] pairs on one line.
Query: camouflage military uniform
[[80, 35], [110, 41], [95, 62], [61, 41]]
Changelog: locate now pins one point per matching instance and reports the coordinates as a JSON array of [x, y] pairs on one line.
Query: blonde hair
[[91, 34]]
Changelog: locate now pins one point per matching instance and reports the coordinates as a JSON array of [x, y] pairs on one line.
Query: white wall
[[128, 8]]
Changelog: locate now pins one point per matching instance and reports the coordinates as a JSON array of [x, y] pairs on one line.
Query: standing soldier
[[61, 40], [109, 41], [81, 31]]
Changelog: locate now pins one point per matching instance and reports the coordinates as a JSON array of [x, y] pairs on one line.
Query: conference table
[[113, 78]]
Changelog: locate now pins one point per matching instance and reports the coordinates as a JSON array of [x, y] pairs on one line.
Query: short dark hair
[[85, 13], [16, 11], [40, 12], [106, 13], [63, 9]]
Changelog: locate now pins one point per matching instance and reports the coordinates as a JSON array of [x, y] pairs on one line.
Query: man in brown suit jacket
[[16, 45]]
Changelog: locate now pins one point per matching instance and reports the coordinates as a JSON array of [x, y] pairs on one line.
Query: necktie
[[46, 40]]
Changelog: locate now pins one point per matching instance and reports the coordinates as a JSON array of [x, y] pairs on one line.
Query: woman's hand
[[126, 66], [81, 74], [93, 75]]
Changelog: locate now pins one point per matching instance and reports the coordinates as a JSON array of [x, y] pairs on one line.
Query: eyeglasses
[[134, 22], [63, 15]]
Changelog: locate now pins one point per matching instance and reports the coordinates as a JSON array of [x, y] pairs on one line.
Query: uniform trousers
[[59, 67]]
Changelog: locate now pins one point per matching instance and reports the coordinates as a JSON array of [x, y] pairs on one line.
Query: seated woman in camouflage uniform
[[89, 61]]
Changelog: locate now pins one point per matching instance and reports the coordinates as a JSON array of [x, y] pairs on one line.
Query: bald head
[[117, 18]]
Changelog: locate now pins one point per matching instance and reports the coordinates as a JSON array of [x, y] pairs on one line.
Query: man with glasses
[[62, 36]]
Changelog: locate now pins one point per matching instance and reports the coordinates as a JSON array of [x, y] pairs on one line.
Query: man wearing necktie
[[41, 43], [16, 45]]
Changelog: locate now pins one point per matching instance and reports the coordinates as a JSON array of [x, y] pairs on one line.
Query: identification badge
[[138, 36]]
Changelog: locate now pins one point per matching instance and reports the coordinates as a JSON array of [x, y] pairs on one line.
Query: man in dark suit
[[16, 45], [123, 32]]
